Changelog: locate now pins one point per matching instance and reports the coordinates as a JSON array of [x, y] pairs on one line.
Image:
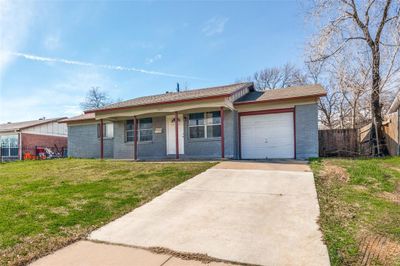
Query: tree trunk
[[376, 108], [353, 116]]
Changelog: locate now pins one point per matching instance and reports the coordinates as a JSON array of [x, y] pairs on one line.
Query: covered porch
[[170, 132]]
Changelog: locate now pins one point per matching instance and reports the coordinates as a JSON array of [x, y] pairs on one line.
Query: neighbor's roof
[[395, 105], [82, 117], [173, 97], [7, 127], [283, 94]]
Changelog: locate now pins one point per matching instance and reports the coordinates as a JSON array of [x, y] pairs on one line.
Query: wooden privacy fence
[[357, 142], [339, 142]]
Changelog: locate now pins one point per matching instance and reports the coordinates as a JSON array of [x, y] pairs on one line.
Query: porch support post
[[135, 138], [20, 145], [101, 139], [176, 136], [222, 133]]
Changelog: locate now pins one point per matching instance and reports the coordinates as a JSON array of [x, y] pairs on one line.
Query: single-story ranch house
[[232, 121], [21, 137]]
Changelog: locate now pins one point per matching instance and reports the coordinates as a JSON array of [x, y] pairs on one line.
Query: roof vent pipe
[[177, 87]]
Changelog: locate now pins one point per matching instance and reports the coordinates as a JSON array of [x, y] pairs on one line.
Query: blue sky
[[53, 52]]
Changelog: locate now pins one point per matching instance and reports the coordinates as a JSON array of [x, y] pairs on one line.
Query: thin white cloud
[[214, 26], [15, 20], [153, 59], [111, 67], [52, 42]]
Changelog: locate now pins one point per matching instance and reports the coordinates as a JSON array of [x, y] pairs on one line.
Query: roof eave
[[166, 102], [66, 121], [245, 85], [281, 99], [44, 122]]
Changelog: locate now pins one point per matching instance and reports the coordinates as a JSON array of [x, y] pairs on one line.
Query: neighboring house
[[232, 121], [18, 138], [392, 127]]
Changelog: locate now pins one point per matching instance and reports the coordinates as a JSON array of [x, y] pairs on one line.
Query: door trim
[[169, 131], [265, 112]]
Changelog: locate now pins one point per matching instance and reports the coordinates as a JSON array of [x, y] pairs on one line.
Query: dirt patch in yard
[[392, 196], [376, 249], [333, 173]]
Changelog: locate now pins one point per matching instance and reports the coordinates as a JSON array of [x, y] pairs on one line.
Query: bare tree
[[369, 29], [95, 98], [328, 109], [278, 77]]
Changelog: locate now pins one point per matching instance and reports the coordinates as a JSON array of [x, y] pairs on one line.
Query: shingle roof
[[178, 96], [26, 124], [77, 118], [282, 94]]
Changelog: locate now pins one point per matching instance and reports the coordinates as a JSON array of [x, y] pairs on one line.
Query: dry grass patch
[[333, 173], [377, 249], [359, 206]]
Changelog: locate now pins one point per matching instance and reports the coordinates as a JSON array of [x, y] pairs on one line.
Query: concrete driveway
[[255, 213]]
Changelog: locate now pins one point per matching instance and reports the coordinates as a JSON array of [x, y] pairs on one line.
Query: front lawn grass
[[44, 205], [360, 209]]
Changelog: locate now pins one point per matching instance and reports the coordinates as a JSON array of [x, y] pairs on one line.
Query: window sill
[[204, 140], [105, 138], [139, 142]]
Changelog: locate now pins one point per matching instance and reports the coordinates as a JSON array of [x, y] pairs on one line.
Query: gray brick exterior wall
[[122, 149], [211, 148], [156, 149], [306, 131], [83, 142]]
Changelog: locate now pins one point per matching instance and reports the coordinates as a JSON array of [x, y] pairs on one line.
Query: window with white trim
[[145, 130], [108, 130], [205, 125], [9, 146]]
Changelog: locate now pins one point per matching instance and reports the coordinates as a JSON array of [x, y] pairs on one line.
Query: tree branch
[[324, 57], [363, 27], [367, 12], [383, 21]]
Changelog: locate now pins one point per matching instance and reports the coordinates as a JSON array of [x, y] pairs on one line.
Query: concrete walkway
[[87, 253], [246, 212]]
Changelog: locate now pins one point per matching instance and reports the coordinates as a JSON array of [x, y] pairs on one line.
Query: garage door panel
[[267, 136]]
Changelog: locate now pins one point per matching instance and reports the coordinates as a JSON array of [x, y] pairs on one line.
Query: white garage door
[[267, 136]]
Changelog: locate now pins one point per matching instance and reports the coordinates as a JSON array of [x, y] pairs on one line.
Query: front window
[[205, 125], [9, 145], [145, 130], [108, 130], [130, 130]]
